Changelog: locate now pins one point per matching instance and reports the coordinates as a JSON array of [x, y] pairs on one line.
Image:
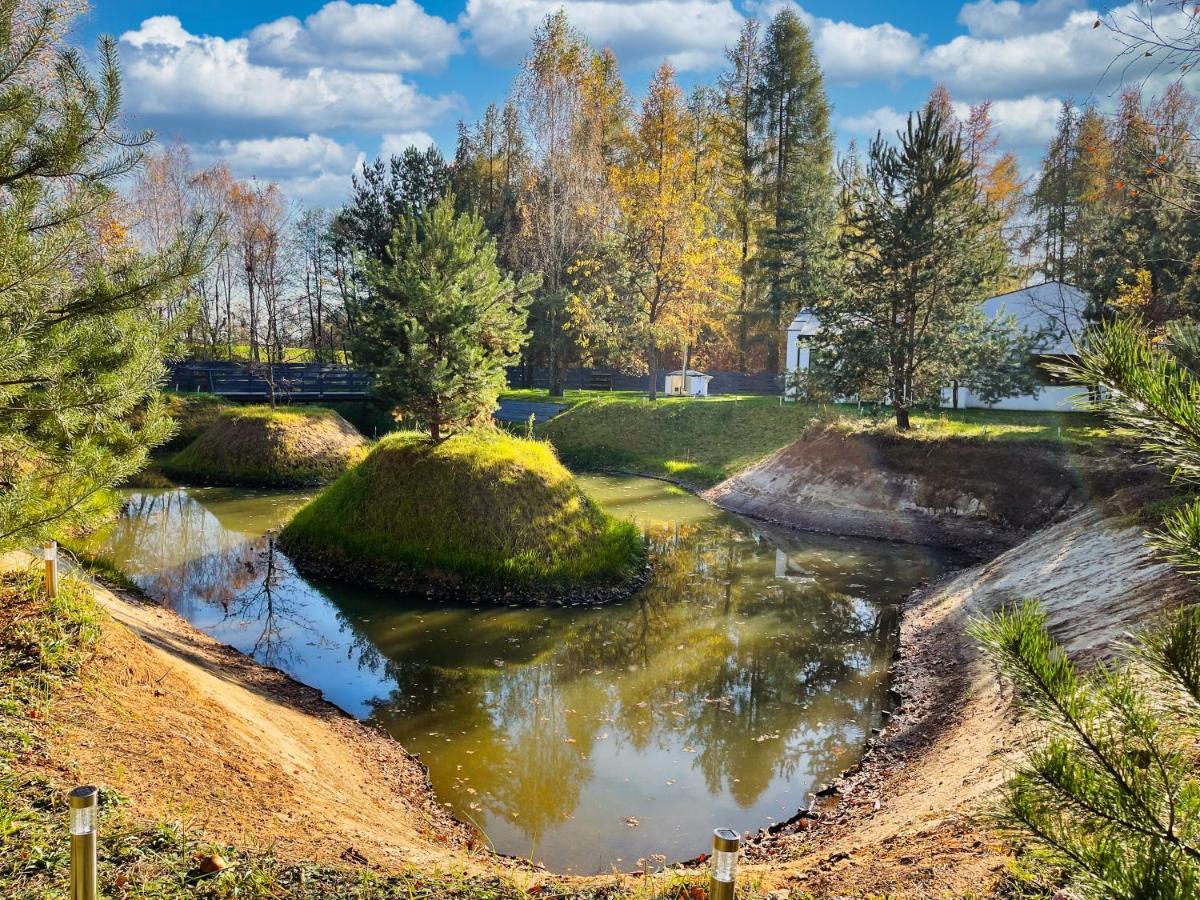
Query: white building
[[686, 384], [1052, 306]]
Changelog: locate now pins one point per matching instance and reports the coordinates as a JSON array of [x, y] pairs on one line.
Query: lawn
[[701, 441]]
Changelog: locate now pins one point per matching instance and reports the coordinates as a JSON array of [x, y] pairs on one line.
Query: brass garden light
[[83, 802], [726, 844]]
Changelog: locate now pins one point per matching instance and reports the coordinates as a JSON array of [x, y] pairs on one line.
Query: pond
[[745, 675]]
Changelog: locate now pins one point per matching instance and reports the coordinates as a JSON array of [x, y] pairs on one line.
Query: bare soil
[[971, 494], [192, 730]]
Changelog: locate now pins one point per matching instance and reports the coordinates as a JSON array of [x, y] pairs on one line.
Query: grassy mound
[[257, 445], [701, 442], [479, 512]]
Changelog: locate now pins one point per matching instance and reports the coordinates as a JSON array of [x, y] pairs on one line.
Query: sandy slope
[[194, 730], [912, 821]]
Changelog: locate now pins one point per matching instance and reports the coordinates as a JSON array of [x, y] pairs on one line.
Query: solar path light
[[50, 555], [83, 802], [724, 864]]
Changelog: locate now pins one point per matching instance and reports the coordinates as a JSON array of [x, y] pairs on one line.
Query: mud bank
[[968, 494], [911, 820]]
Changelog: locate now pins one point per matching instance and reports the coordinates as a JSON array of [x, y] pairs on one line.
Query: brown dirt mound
[[971, 494], [257, 445]]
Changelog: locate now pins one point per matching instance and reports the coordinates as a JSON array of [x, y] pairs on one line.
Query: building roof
[[805, 324], [692, 373], [1054, 305]]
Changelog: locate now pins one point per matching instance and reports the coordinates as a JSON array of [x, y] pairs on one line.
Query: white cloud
[[884, 118], [204, 86], [692, 34], [1074, 56], [358, 36], [396, 144], [267, 158], [1006, 18], [313, 169], [852, 53], [1023, 123]]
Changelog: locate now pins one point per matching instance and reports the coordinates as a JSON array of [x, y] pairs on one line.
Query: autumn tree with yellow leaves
[[658, 279]]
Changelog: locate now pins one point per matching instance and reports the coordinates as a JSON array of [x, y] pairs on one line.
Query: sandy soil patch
[[193, 730]]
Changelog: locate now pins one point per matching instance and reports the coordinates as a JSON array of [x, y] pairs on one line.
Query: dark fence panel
[[610, 379], [292, 381], [314, 381]]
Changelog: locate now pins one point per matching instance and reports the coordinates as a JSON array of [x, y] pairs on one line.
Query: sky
[[302, 91]]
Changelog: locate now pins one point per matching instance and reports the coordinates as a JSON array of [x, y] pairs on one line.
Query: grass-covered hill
[[701, 442], [257, 445], [473, 516]]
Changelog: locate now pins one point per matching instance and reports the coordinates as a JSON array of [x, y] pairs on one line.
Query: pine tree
[[1111, 795], [742, 151], [921, 251], [385, 193], [82, 337], [442, 320], [797, 254]]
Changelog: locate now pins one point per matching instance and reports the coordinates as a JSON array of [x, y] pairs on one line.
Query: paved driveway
[[521, 410]]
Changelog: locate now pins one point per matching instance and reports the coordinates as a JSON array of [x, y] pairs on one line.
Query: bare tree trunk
[[652, 365]]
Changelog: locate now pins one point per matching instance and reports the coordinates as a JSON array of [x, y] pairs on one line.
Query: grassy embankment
[[258, 445], [700, 442], [45, 648], [483, 508]]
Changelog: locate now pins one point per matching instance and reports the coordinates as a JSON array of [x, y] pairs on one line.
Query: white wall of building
[[1058, 307]]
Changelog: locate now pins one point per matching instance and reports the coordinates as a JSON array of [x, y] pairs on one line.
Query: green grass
[[483, 505], [258, 445], [45, 645], [700, 442], [192, 414]]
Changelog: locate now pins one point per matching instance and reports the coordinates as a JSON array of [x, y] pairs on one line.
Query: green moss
[[193, 413], [258, 445], [483, 508]]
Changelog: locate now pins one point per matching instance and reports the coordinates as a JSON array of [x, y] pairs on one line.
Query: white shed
[[1052, 306], [805, 326], [686, 384]]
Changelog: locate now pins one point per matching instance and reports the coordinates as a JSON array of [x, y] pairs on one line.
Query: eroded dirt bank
[[970, 494], [192, 730], [912, 820]]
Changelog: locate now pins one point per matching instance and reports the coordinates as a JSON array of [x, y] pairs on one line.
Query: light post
[[50, 555], [83, 802], [726, 844]]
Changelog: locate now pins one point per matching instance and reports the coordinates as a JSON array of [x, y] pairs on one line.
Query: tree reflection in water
[[750, 668]]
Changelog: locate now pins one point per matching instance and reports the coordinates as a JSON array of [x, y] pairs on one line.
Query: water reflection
[[750, 668]]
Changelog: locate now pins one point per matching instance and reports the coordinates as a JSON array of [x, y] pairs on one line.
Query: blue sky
[[300, 91]]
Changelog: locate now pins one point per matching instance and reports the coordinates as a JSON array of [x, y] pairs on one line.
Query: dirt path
[[912, 820], [193, 730]]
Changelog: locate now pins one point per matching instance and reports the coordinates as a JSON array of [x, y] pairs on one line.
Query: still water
[[748, 671]]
